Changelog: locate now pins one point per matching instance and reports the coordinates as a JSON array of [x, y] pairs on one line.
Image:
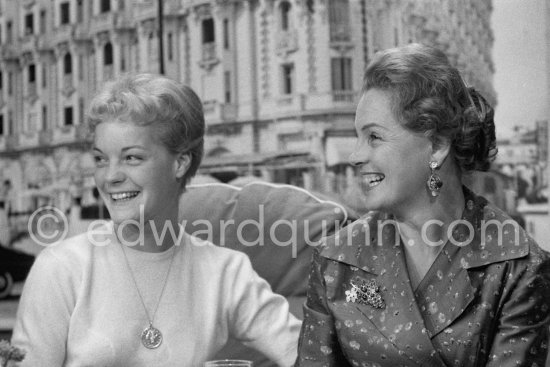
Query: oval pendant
[[151, 337]]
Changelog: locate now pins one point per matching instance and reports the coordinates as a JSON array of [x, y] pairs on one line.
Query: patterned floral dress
[[484, 302]]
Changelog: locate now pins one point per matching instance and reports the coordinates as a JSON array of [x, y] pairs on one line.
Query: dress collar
[[484, 235]]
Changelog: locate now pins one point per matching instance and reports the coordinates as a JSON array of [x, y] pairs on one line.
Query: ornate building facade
[[279, 79]]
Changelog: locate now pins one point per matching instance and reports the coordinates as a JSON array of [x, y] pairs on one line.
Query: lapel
[[410, 319], [373, 246]]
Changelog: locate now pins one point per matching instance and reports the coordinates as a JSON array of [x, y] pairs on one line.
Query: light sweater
[[80, 306]]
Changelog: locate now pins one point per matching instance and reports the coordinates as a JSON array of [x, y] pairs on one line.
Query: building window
[[29, 24], [121, 5], [81, 111], [108, 54], [65, 17], [123, 58], [10, 84], [10, 130], [1, 82], [43, 21], [44, 117], [67, 63], [208, 31], [1, 124], [68, 121], [9, 31], [152, 46], [32, 73], [226, 34], [341, 74], [227, 86], [339, 21], [105, 6], [288, 76], [80, 67], [170, 47], [285, 8], [79, 11], [44, 76]]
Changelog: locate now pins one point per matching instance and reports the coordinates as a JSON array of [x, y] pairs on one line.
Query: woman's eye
[[99, 160], [373, 136], [133, 159]]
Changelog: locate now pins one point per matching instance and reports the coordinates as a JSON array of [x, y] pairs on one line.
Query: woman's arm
[[258, 317], [522, 335], [318, 345], [45, 307]]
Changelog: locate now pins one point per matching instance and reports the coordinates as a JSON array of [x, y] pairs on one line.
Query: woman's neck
[[428, 222]]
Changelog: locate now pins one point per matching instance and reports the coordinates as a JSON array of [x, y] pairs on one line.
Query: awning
[[338, 150], [269, 160]]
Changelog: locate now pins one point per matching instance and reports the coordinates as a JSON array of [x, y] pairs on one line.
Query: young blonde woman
[[138, 291]]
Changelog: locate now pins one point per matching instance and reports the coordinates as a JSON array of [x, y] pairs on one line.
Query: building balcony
[[26, 4], [45, 137], [145, 10], [340, 33], [28, 43], [124, 22], [287, 42], [174, 8], [346, 96], [9, 52], [209, 56], [102, 22], [44, 43], [81, 33], [290, 102], [63, 33]]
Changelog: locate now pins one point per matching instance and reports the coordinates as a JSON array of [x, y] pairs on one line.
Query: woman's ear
[[441, 147], [182, 164]]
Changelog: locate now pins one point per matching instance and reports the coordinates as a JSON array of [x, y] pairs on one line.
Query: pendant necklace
[[151, 337]]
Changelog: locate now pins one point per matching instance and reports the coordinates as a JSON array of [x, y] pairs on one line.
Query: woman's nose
[[357, 157], [114, 174]]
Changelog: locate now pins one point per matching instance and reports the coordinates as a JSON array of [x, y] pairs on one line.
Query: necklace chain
[[150, 319]]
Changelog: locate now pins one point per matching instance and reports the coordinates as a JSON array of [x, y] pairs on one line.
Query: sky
[[519, 54]]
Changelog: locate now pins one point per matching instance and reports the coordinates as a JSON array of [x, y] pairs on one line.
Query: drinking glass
[[228, 363]]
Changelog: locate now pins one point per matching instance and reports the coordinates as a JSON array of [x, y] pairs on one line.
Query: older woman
[[139, 291], [434, 275]]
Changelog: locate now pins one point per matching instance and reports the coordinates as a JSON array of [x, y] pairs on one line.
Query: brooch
[[368, 293]]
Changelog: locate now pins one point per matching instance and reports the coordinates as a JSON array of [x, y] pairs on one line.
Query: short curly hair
[[173, 109], [430, 97]]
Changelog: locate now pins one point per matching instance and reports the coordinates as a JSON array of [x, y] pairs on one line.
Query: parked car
[[14, 267]]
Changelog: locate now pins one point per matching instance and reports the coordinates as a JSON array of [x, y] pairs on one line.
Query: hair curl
[[172, 109], [430, 97]]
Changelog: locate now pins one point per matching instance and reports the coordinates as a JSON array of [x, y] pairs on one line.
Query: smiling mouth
[[373, 179], [124, 196]]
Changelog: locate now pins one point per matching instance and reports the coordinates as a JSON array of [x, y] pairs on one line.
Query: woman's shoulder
[[501, 237], [79, 248]]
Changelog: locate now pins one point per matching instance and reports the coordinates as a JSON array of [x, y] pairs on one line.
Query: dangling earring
[[434, 182]]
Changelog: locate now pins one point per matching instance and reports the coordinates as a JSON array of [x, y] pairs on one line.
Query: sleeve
[[45, 307], [522, 335], [260, 318], [318, 344]]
